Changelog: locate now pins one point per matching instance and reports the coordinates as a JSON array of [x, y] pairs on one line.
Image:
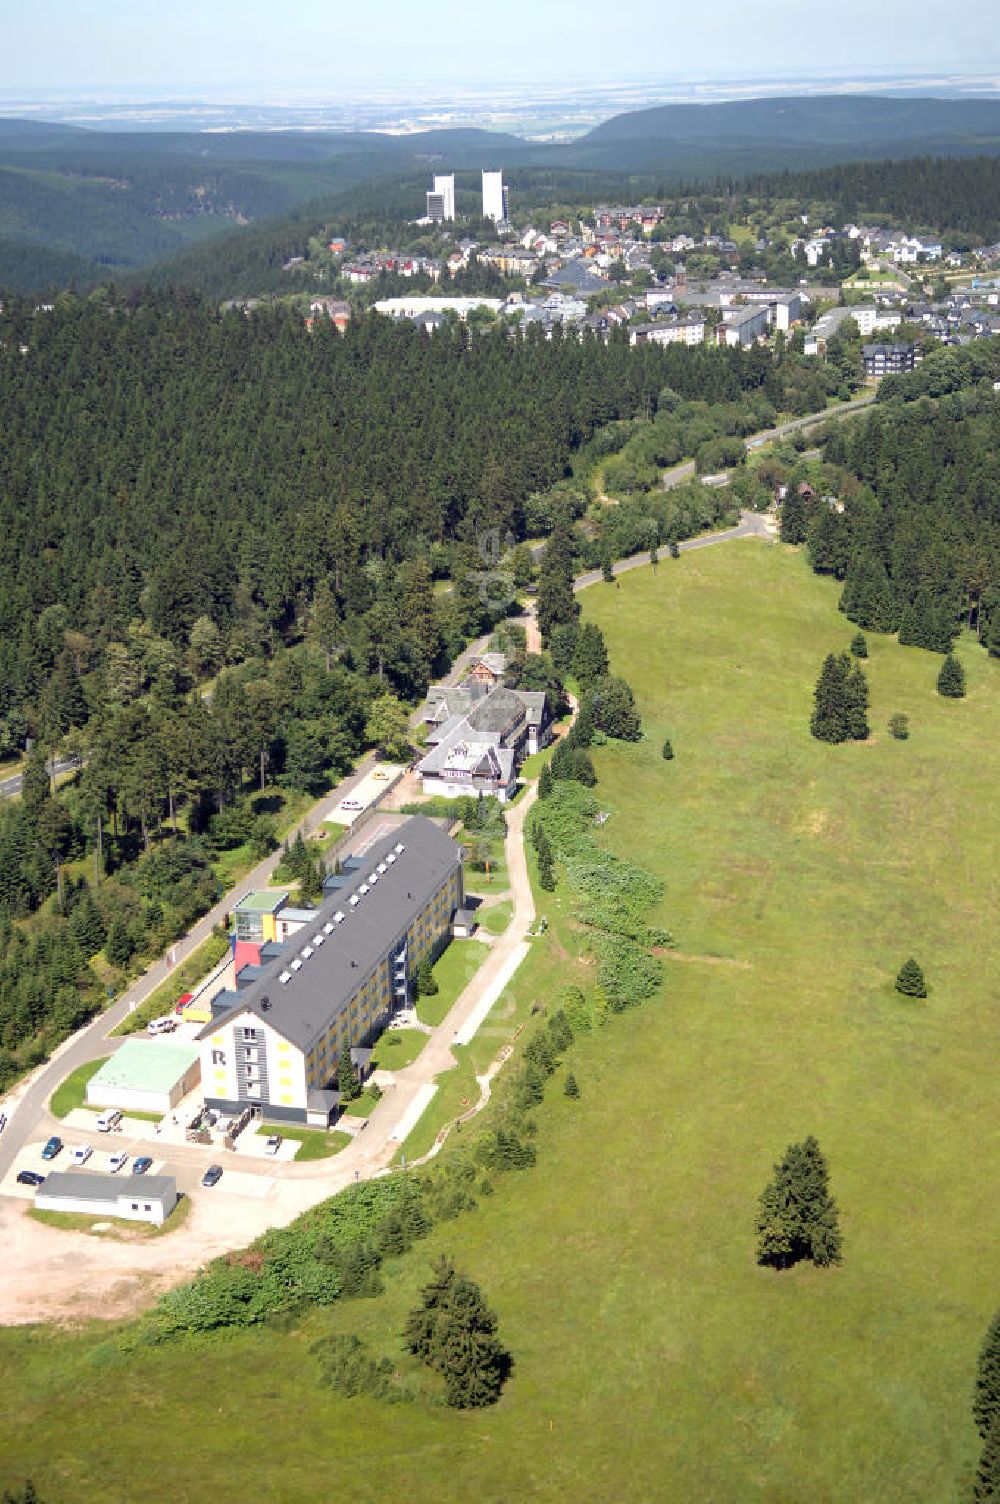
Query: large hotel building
[[316, 979]]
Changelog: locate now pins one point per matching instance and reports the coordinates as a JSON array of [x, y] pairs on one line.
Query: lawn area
[[71, 1093], [496, 918], [313, 1142], [653, 1359], [397, 1047], [453, 971], [363, 1106]]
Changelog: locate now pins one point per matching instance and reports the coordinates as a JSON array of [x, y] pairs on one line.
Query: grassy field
[[72, 1092], [653, 1359], [397, 1048], [496, 918], [452, 971]]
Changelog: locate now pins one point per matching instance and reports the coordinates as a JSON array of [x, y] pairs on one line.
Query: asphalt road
[[685, 471], [12, 785]]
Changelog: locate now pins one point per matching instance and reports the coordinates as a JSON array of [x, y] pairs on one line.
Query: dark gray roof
[[301, 1007], [82, 1186], [500, 710]]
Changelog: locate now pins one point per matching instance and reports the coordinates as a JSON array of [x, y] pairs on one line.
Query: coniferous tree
[[556, 604], [119, 945], [986, 1489], [857, 703], [453, 1332], [793, 517], [571, 1087], [859, 646], [831, 713], [607, 569], [899, 727], [546, 864], [867, 597], [590, 654], [910, 980], [986, 1401], [347, 1078], [545, 782], [951, 679], [426, 978], [668, 750], [796, 1216]]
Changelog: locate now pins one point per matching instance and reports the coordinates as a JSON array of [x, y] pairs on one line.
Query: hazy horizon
[[253, 46]]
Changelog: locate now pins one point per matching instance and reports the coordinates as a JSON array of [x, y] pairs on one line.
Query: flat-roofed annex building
[[137, 1198], [275, 1042]]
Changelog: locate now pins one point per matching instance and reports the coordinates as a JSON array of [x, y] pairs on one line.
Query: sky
[[333, 46]]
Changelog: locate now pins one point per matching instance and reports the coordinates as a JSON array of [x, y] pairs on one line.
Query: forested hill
[[961, 194], [845, 122], [165, 461]]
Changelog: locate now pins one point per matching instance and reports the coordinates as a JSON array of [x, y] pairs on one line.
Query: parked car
[[351, 804], [165, 1025], [109, 1120], [182, 1002], [379, 773], [82, 1153], [273, 1144], [30, 1177], [212, 1175], [116, 1161], [141, 1164], [52, 1148]]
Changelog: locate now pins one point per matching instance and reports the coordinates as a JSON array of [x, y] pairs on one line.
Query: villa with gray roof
[[275, 1042], [480, 732]]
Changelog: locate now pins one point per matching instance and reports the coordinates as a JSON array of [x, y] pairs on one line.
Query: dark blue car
[[52, 1147]]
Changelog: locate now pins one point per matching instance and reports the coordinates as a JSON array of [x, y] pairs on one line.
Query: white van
[[165, 1025], [109, 1120]]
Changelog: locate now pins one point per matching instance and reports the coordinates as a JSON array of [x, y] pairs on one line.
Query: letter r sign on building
[[218, 1057]]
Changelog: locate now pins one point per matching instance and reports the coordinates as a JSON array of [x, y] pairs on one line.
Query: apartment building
[[888, 360], [333, 976]]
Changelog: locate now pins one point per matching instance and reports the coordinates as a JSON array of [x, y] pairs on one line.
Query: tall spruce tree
[[794, 519], [986, 1400], [859, 646], [556, 605], [951, 679], [857, 703], [986, 1488], [590, 656], [347, 1079], [797, 1216], [831, 720]]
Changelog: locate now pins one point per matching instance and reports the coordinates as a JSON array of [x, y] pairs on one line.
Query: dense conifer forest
[[917, 543]]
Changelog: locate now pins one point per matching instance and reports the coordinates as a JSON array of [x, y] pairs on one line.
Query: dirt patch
[[816, 822]]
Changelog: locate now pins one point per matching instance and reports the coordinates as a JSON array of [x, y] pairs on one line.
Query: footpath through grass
[[653, 1358]]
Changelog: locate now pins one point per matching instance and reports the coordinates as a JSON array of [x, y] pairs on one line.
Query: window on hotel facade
[[249, 1035]]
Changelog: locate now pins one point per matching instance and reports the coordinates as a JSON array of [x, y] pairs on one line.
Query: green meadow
[[653, 1360]]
